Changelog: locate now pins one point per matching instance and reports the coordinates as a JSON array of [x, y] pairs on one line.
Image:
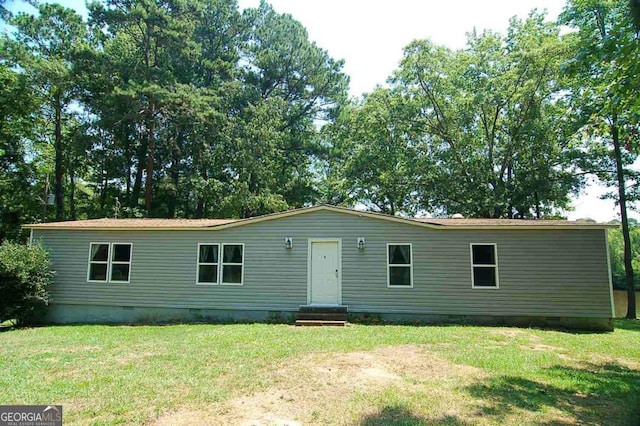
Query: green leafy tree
[[174, 107], [634, 6], [5, 13], [373, 152], [616, 254], [18, 121], [494, 117], [219, 110], [605, 70], [44, 48], [204, 115], [299, 85], [152, 39]]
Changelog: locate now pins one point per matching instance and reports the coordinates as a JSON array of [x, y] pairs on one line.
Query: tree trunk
[[128, 153], [200, 207], [105, 186], [622, 198], [137, 184], [150, 154], [59, 189], [175, 177], [510, 202], [72, 188]]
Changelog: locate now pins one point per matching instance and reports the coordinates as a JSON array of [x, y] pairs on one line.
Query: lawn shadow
[[595, 394], [399, 415], [618, 323], [168, 322], [628, 324], [531, 323]]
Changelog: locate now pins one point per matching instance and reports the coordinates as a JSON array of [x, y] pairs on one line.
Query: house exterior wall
[[542, 273]]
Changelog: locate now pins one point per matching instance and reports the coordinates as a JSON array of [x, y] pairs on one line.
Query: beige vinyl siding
[[542, 272]]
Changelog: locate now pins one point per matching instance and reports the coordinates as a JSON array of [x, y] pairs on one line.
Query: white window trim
[[495, 266], [99, 262], [410, 266], [120, 262], [109, 262], [198, 263], [222, 263]]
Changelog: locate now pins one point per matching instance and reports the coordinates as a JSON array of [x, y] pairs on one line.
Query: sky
[[370, 36]]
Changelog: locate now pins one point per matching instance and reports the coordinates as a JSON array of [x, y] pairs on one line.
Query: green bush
[[25, 273]]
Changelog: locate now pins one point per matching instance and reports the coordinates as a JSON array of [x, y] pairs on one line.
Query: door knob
[[336, 273]]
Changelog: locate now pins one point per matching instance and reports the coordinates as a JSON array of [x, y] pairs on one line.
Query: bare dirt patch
[[133, 356], [76, 349], [603, 360], [305, 389], [567, 357], [513, 333], [542, 348], [54, 355], [507, 332]]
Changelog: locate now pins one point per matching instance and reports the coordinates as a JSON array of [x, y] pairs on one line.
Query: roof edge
[[320, 207]]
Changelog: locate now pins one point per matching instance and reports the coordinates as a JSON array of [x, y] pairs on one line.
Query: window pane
[[120, 272], [400, 275], [232, 274], [99, 252], [209, 253], [484, 277], [232, 253], [121, 253], [98, 272], [400, 255], [208, 274], [484, 254]]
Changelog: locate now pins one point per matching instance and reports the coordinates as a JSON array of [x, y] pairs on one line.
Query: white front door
[[324, 274]]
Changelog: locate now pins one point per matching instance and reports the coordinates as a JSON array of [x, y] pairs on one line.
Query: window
[[120, 262], [109, 262], [98, 262], [232, 264], [208, 264], [220, 264], [484, 266], [399, 265]]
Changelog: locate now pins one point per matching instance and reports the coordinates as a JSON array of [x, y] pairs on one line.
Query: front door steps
[[321, 316]]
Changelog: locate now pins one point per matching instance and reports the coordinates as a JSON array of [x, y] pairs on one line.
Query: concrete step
[[322, 316], [319, 323], [323, 309]]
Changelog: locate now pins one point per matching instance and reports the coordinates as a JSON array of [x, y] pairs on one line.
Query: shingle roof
[[134, 223], [435, 223], [502, 222]]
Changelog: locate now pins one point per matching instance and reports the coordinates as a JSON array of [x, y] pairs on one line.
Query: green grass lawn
[[274, 374]]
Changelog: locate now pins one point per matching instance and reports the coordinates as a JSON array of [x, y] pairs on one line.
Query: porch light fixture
[[288, 243], [361, 243]]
